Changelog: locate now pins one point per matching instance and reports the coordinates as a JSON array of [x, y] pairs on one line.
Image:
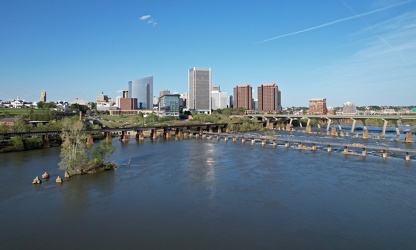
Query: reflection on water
[[209, 194]]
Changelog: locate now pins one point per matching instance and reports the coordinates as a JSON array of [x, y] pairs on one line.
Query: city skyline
[[363, 52]]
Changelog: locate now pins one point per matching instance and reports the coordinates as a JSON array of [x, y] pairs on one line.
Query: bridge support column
[[313, 147], [309, 122], [153, 134], [308, 129], [201, 131], [329, 149], [124, 137], [384, 154], [226, 138], [166, 133], [407, 156], [365, 133], [45, 139], [409, 138], [253, 141], [397, 129], [383, 132], [274, 143], [263, 142], [300, 123], [234, 139], [353, 125], [329, 124], [210, 129], [345, 150], [243, 140], [364, 152], [219, 130], [287, 144], [139, 135], [218, 137], [108, 136], [334, 132], [299, 145]]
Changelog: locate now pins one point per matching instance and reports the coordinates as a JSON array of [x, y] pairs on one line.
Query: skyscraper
[[218, 98], [199, 90], [43, 96], [243, 96], [142, 89], [269, 98]]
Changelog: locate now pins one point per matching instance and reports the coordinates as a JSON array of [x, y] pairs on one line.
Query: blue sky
[[344, 50]]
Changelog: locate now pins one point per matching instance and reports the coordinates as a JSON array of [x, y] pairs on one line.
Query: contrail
[[337, 21]]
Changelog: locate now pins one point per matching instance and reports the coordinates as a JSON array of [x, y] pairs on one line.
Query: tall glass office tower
[[142, 89], [199, 90]]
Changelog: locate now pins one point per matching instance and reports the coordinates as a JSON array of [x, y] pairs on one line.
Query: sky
[[342, 50]]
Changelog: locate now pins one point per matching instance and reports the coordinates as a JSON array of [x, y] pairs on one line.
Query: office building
[[199, 90], [349, 108], [128, 103], [269, 98], [243, 96], [169, 105], [164, 92], [317, 106], [218, 98], [142, 89]]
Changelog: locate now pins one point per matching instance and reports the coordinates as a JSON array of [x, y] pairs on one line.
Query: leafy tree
[[73, 148], [20, 124]]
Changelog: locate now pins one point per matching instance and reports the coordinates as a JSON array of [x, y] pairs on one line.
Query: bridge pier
[[407, 156], [234, 139], [139, 135], [397, 129], [313, 147], [329, 149], [409, 138], [166, 133], [353, 125], [153, 134], [364, 152], [218, 137], [124, 137], [226, 138], [287, 144], [383, 132], [219, 130], [334, 132], [263, 142], [45, 139], [107, 136], [253, 141], [329, 124], [243, 140], [384, 154]]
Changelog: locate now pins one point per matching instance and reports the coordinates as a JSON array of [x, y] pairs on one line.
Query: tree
[[73, 148]]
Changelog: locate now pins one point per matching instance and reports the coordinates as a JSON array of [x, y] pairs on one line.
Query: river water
[[210, 194]]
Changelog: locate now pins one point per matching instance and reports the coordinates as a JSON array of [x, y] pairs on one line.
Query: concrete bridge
[[272, 119], [126, 132], [312, 145]]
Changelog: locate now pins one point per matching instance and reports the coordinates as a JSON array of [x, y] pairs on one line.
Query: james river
[[210, 194]]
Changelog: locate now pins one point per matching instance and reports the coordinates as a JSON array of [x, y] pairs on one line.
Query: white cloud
[[382, 68], [337, 21], [145, 17]]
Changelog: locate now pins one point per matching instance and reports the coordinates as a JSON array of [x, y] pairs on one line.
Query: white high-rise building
[[199, 90], [219, 99]]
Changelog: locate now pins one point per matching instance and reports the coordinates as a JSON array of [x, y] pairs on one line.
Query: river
[[210, 194]]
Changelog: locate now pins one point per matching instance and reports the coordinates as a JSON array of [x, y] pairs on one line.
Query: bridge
[[273, 118]]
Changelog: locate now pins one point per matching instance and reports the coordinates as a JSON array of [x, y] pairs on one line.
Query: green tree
[[20, 124], [73, 148]]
